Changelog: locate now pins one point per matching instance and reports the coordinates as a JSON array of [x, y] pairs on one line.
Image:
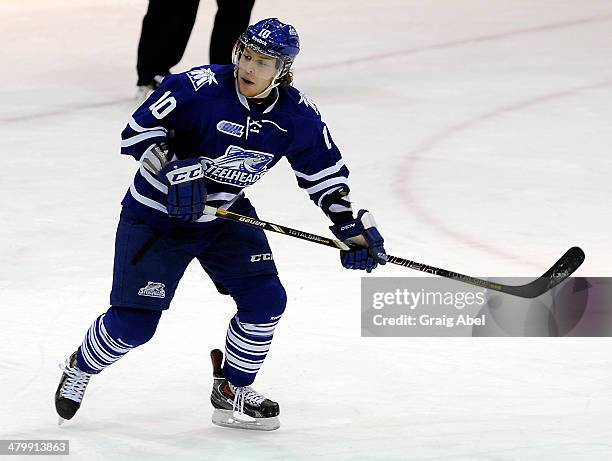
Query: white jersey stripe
[[158, 206], [220, 196], [326, 184], [321, 174], [141, 129], [141, 137], [146, 201], [160, 186]]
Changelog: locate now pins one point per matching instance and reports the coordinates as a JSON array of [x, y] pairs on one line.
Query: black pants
[[167, 26]]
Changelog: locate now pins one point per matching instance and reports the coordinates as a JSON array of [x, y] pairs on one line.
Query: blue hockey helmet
[[272, 38]]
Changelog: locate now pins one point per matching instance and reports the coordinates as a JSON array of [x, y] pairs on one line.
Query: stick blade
[[561, 270], [566, 266]]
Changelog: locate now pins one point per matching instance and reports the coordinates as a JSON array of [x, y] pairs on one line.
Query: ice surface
[[478, 133]]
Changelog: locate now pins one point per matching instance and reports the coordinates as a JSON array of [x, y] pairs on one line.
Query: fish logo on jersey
[[237, 167], [200, 77]]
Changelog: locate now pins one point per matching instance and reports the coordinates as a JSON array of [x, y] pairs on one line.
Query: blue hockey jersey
[[200, 113]]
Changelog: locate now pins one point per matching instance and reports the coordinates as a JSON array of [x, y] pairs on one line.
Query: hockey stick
[[562, 269]]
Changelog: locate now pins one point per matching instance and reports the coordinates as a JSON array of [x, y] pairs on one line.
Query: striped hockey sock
[[99, 349], [246, 347]]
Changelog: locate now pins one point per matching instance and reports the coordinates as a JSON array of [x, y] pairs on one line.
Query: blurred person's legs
[[165, 32], [231, 20]]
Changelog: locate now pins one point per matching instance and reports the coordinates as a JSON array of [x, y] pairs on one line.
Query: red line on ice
[[402, 183]]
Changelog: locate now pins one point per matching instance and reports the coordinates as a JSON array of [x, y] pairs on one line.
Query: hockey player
[[202, 137]]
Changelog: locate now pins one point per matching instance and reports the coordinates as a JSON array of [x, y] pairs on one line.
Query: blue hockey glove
[[186, 189], [367, 245]]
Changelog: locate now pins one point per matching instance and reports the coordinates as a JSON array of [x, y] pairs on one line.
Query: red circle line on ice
[[402, 183]]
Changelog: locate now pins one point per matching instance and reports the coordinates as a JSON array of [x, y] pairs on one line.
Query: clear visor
[[262, 59]]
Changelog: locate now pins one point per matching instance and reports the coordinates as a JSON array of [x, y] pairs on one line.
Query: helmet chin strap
[[269, 88]]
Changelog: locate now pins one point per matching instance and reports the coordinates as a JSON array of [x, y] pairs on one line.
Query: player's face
[[255, 73]]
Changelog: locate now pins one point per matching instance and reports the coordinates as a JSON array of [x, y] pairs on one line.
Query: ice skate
[[71, 389], [240, 407]]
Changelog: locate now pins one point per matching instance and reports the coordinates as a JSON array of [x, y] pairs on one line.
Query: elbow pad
[[337, 205]]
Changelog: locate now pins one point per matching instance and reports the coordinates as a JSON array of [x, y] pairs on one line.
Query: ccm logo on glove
[[261, 257], [184, 174]]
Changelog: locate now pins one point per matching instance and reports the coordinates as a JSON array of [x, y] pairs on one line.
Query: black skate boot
[[71, 389], [240, 407]]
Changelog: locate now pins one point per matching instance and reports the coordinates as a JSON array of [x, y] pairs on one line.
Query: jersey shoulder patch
[[305, 99], [202, 76], [302, 103]]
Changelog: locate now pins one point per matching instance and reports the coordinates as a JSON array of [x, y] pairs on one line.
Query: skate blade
[[228, 418]]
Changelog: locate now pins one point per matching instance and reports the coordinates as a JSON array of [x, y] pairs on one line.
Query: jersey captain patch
[[201, 77], [238, 167]]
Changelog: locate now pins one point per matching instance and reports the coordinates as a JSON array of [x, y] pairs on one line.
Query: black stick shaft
[[568, 263], [265, 225]]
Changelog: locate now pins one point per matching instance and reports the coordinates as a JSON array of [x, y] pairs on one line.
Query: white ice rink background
[[479, 134]]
